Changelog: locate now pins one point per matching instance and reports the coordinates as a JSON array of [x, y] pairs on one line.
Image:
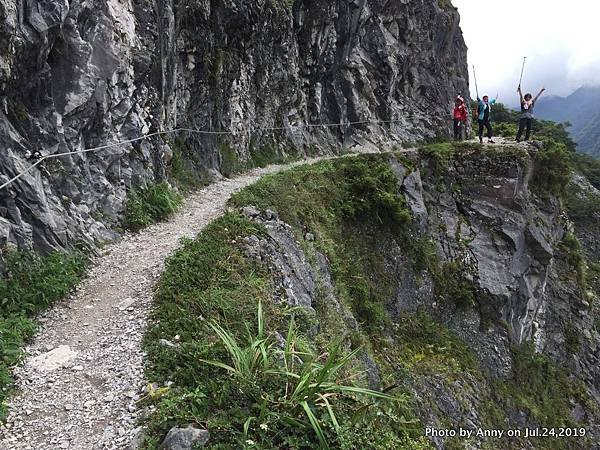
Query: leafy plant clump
[[151, 204], [32, 283], [35, 282], [254, 389], [441, 154], [294, 392], [552, 170]]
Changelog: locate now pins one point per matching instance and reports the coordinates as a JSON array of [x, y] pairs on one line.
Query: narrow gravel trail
[[84, 372]]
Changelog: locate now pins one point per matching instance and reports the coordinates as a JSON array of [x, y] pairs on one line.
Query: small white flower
[[264, 426], [249, 442]]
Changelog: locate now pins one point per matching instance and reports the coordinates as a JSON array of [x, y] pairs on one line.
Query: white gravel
[[78, 387]]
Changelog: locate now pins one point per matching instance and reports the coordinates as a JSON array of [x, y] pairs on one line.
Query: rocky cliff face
[[508, 282], [81, 74]]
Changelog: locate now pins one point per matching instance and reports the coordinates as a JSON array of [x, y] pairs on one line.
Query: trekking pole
[[475, 78], [522, 70]]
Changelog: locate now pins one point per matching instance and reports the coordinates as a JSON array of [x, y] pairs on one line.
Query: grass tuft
[[32, 284], [149, 205]]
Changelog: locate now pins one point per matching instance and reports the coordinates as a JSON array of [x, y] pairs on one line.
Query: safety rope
[[177, 130]]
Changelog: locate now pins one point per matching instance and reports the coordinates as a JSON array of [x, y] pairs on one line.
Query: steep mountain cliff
[[81, 74], [454, 274]]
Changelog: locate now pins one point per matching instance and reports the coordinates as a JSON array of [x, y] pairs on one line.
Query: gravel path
[[84, 372]]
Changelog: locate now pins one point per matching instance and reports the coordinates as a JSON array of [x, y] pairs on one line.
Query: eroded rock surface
[[87, 73]]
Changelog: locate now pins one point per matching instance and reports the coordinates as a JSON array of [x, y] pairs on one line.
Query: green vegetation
[[552, 169], [441, 154], [506, 129], [231, 372], [294, 390], [589, 167], [269, 153], [592, 279], [352, 206], [294, 396], [230, 161], [32, 284], [149, 205], [260, 155], [427, 347], [211, 278], [575, 258], [541, 388], [553, 164], [286, 4], [505, 122], [581, 205], [543, 391]]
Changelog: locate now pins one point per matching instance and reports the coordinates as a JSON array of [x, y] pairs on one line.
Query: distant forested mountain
[[582, 110]]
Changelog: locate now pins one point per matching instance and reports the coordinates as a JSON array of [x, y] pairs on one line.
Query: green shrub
[[575, 258], [548, 131], [541, 388], [441, 154], [581, 205], [451, 284], [572, 340], [371, 191], [31, 285], [589, 167], [552, 170], [149, 205], [269, 153], [15, 331], [428, 347], [505, 129]]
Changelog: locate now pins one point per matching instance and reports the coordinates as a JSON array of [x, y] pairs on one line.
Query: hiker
[[526, 119], [484, 108], [460, 115]]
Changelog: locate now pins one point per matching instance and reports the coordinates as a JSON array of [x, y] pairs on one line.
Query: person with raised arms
[[526, 118]]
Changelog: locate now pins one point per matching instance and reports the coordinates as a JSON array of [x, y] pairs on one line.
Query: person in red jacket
[[460, 115]]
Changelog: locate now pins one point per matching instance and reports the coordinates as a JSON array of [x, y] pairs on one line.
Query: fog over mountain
[[559, 43], [582, 110]]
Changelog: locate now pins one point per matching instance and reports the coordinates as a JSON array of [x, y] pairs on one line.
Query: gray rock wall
[[87, 73], [481, 210]]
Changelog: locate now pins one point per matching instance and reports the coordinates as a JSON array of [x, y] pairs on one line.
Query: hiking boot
[[490, 141], [481, 140]]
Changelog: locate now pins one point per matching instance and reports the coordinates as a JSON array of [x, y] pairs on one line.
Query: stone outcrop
[[87, 73], [483, 212]]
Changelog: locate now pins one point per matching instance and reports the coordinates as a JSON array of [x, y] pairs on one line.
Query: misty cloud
[[558, 38]]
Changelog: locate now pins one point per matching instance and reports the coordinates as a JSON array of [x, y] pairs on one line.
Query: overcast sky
[[561, 39]]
